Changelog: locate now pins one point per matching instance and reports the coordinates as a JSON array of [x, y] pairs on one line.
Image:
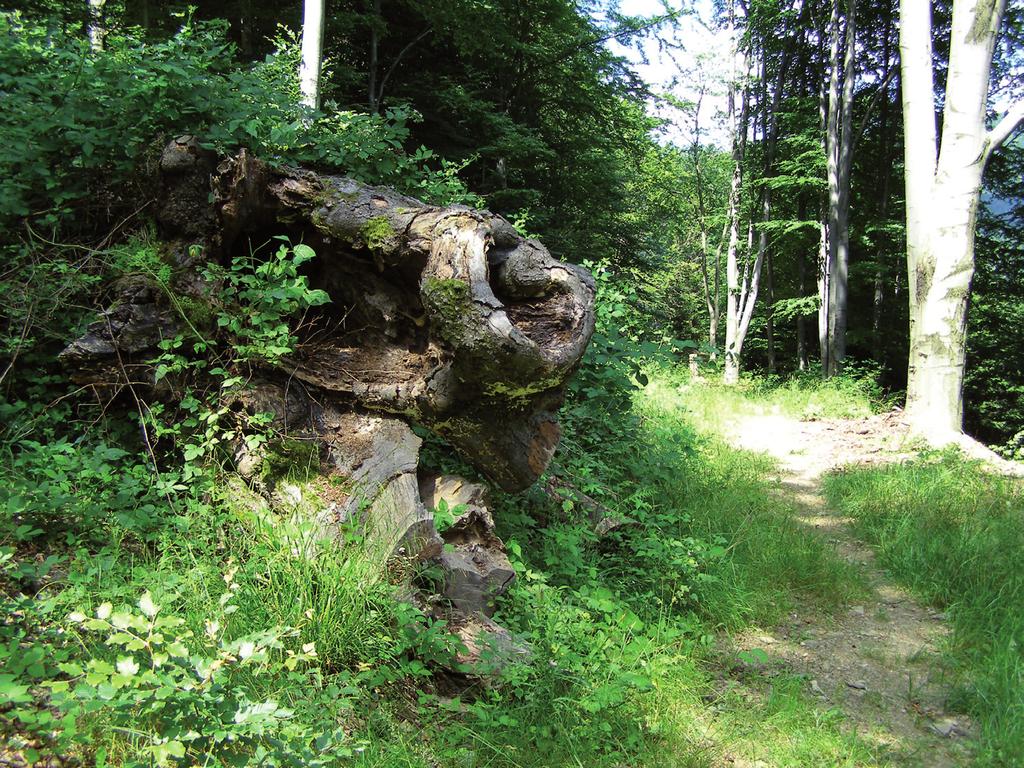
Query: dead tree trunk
[[443, 318]]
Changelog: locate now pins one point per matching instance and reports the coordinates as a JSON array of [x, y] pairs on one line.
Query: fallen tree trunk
[[439, 317], [451, 319]]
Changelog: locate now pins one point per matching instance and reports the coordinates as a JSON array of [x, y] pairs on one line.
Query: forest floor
[[878, 661]]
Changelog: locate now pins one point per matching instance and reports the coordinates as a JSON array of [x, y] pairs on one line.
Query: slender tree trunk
[[245, 28], [802, 361], [737, 115], [824, 264], [734, 291], [96, 28], [942, 192], [838, 287], [769, 321], [371, 86], [801, 321], [711, 292], [839, 145], [878, 299], [312, 52], [770, 130], [823, 294]]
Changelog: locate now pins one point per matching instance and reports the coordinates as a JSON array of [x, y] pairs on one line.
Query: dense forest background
[[524, 105], [162, 609]]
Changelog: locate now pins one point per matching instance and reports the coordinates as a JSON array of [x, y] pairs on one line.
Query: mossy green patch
[[199, 314], [449, 304], [290, 459], [377, 233]]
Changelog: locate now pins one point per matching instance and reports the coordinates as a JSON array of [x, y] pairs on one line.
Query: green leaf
[[303, 253]]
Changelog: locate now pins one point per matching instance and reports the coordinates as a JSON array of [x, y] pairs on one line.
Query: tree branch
[[1005, 128], [625, 31], [875, 97], [398, 58]]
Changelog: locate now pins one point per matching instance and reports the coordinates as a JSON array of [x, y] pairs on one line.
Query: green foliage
[[258, 302], [994, 379], [258, 299], [612, 367], [803, 306], [953, 533], [90, 126], [75, 490], [139, 256], [187, 697]]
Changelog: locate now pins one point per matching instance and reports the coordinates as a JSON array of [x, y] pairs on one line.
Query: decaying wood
[[452, 320], [474, 561], [440, 317]]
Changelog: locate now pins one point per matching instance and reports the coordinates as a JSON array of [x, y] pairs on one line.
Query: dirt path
[[877, 661]]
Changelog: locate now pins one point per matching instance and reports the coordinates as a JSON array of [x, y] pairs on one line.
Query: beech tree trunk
[[839, 157], [734, 298], [711, 279], [741, 284], [839, 230], [942, 194], [96, 27]]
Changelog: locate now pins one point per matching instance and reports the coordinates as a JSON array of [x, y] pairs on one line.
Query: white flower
[[146, 605], [127, 666]]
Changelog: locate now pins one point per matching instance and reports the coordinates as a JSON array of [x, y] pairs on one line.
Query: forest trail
[[878, 661]]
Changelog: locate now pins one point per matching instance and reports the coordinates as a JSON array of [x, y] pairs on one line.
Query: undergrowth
[[954, 533], [159, 617]]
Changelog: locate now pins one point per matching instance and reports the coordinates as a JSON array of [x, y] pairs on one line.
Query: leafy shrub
[[174, 696], [78, 489], [88, 122], [255, 309], [260, 297]]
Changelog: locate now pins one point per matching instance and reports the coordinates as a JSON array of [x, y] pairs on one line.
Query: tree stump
[[443, 318]]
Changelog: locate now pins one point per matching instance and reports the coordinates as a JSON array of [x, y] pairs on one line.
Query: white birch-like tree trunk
[[734, 299], [942, 193], [96, 28], [740, 290], [312, 52]]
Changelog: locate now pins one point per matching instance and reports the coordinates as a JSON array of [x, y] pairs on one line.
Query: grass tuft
[[954, 534]]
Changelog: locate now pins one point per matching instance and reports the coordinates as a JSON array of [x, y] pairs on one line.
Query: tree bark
[[312, 52], [736, 293], [801, 322], [371, 75], [942, 193], [839, 149], [96, 28]]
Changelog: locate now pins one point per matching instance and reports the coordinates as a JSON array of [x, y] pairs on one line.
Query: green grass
[[804, 396], [623, 667], [954, 534], [772, 558]]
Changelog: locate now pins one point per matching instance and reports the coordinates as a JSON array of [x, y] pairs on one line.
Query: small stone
[[858, 685], [857, 610], [816, 689], [292, 494], [946, 728]]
